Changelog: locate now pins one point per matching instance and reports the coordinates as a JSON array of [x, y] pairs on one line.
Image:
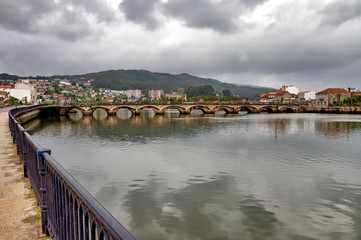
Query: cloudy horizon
[[311, 44]]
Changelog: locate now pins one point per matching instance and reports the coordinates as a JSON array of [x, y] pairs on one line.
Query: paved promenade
[[19, 213]]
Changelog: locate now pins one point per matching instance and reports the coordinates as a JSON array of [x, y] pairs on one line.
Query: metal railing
[[68, 211]]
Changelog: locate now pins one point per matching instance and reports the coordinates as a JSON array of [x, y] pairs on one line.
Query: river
[[258, 176]]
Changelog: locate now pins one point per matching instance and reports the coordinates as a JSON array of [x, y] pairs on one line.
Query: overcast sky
[[313, 44]]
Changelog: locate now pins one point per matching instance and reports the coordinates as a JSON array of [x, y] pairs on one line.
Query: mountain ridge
[[146, 80]]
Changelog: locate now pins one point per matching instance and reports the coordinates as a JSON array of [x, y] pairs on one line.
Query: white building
[[306, 96], [24, 95], [291, 89], [26, 85]]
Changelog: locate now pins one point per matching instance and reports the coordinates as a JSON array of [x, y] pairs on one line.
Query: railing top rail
[[32, 141]]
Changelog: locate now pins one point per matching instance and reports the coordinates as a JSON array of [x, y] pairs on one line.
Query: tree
[[200, 91], [227, 93]]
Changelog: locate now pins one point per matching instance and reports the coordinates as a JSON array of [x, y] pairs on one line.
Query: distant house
[[134, 94], [306, 96], [155, 94], [286, 94], [5, 87], [331, 96], [3, 95], [284, 97], [291, 89], [177, 96]]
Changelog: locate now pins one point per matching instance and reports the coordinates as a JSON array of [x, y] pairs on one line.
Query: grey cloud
[[339, 12], [20, 15], [221, 16], [140, 12], [251, 3], [96, 7], [70, 26], [34, 16]]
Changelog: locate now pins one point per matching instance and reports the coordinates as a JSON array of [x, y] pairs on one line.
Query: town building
[[331, 96], [155, 94], [133, 94], [291, 89], [24, 95], [25, 84], [284, 97], [306, 96], [3, 95], [176, 96]]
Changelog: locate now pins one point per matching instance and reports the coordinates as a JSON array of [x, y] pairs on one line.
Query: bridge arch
[[204, 109], [132, 109], [182, 110], [155, 109], [287, 109], [224, 108], [268, 109], [249, 109], [72, 109], [93, 108]]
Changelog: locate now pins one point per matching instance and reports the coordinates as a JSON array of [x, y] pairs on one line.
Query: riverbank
[[19, 214], [325, 109]]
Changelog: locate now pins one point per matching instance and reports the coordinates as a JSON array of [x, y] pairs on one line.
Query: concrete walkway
[[19, 213]]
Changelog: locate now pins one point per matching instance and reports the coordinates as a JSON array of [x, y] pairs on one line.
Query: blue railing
[[68, 211]]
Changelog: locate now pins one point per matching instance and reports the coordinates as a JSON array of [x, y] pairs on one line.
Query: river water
[[258, 176]]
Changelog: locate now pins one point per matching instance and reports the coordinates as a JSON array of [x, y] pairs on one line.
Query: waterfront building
[[155, 94], [284, 97], [306, 96], [331, 96]]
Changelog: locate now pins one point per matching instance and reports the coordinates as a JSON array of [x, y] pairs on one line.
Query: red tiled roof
[[6, 86], [264, 95], [280, 93], [3, 93], [334, 91]]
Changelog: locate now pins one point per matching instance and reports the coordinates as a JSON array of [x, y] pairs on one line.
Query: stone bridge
[[136, 109]]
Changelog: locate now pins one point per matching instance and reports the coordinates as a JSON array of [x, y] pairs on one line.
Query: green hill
[[146, 80]]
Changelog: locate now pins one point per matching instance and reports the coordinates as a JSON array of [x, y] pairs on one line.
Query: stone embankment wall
[[320, 109]]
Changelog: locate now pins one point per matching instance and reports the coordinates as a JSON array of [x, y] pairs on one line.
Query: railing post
[[43, 193], [23, 152]]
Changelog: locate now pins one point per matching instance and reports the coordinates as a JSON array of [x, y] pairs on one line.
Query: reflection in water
[[220, 112], [124, 114], [337, 129], [172, 113], [75, 114], [147, 113], [196, 112], [100, 114], [258, 176]]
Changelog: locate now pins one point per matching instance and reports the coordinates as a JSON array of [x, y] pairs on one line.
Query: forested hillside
[[146, 80]]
